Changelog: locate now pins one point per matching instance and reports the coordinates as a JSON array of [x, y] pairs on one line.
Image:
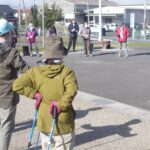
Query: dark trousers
[[72, 40], [86, 43]]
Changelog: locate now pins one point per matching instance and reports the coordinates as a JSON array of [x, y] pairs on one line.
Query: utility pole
[[88, 13], [144, 22], [26, 21], [34, 3], [19, 14], [43, 22], [100, 20]]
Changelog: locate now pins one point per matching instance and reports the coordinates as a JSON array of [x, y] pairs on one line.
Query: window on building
[[108, 20], [96, 19]]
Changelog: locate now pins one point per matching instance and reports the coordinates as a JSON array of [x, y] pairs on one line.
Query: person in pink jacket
[[122, 33]]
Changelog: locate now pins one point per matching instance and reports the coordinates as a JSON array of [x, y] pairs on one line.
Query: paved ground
[[123, 79], [101, 124]]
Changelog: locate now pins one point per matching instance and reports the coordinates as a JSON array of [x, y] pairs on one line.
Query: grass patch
[[139, 44]]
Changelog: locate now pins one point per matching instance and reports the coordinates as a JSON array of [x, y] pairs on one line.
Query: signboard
[[132, 20]]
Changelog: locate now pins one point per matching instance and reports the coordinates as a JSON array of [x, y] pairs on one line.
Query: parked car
[[111, 27]]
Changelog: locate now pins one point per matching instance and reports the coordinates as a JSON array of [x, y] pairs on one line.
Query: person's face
[[85, 24], [73, 21], [122, 25]]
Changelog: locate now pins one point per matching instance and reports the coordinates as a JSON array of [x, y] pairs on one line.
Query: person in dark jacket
[[10, 64], [52, 31], [73, 29]]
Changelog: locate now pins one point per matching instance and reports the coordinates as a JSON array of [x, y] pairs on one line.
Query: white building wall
[[109, 10], [120, 14]]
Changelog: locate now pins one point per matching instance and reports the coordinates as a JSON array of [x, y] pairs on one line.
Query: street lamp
[[100, 20]]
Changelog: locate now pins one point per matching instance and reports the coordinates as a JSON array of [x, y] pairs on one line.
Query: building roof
[[23, 10], [6, 9], [109, 3], [94, 2]]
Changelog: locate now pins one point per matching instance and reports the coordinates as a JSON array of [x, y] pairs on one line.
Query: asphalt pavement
[[122, 79]]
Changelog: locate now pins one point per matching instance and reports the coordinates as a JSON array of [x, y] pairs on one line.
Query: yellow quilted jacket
[[53, 82]]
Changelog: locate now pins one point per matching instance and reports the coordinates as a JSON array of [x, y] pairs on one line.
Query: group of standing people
[[32, 35], [85, 32]]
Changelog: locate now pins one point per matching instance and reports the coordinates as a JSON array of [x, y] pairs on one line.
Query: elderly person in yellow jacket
[[56, 85]]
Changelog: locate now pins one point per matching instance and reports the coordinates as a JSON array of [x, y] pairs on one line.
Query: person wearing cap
[[52, 31], [10, 64], [56, 86], [31, 36], [29, 26]]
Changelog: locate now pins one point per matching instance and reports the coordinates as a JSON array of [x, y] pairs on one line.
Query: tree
[[54, 13], [35, 16]]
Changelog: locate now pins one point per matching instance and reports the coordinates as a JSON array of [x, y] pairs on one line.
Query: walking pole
[[32, 129], [37, 141], [52, 128]]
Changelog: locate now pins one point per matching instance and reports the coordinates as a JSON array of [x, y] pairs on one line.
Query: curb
[[115, 105]]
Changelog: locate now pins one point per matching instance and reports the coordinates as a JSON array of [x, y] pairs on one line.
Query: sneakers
[[126, 55], [86, 55], [31, 54], [37, 54], [119, 54]]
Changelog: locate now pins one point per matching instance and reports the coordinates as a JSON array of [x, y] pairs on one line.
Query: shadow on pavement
[[31, 148], [139, 54], [37, 148], [103, 131], [23, 126], [102, 53], [83, 113]]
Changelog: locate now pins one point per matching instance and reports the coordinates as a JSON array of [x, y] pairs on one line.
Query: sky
[[14, 3]]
